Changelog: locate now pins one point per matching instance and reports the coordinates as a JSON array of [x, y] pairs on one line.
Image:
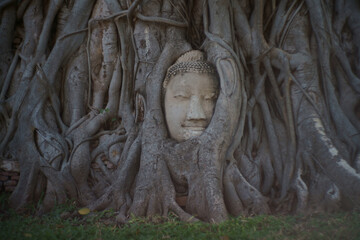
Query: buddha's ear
[[228, 75]]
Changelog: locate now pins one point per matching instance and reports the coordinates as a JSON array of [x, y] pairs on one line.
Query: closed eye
[[181, 96]]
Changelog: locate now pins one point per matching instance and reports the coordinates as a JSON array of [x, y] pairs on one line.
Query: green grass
[[63, 222]]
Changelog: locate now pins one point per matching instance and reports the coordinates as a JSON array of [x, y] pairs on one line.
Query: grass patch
[[64, 222]]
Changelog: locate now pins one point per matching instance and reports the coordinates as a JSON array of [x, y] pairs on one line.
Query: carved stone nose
[[196, 111]]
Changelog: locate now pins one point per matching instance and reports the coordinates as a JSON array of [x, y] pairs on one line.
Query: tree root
[[238, 190]]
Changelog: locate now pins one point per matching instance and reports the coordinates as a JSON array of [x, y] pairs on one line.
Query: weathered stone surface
[[4, 178], [10, 183], [190, 96], [9, 166], [10, 188], [9, 173], [15, 177]]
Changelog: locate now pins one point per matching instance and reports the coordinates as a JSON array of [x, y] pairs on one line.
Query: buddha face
[[189, 104]]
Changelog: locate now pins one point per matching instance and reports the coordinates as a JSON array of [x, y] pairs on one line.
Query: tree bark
[[81, 106]]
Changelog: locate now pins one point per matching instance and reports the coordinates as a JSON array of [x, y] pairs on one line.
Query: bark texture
[[81, 106]]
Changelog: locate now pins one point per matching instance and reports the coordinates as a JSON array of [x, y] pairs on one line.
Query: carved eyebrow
[[181, 93]]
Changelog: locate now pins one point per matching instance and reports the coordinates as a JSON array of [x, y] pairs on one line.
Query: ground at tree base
[[64, 222]]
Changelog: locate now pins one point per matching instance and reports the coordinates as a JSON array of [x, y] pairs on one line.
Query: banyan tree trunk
[[82, 106]]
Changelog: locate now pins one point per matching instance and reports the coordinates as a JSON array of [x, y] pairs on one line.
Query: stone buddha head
[[190, 94]]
